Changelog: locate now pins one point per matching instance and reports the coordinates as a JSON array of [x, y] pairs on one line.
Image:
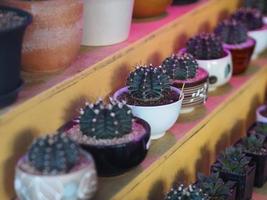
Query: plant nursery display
[[150, 96], [215, 187], [186, 75], [150, 8], [234, 165], [186, 193], [234, 37], [13, 23], [53, 40], [117, 140], [55, 167], [113, 19], [253, 20], [253, 146], [183, 2], [210, 54]]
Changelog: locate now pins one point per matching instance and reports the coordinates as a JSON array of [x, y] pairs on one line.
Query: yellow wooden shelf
[[57, 98]]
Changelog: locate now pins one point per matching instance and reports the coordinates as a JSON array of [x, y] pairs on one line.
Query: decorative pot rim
[[83, 166], [20, 12], [261, 108], [239, 46], [125, 89]]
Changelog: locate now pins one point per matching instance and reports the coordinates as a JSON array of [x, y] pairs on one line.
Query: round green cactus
[[148, 83], [180, 67], [205, 46], [232, 32], [53, 154], [106, 121]]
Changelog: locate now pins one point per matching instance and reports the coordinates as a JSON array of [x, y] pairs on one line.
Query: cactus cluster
[[214, 186], [186, 193], [233, 160], [232, 32], [148, 83], [257, 4], [53, 154], [251, 18], [205, 46], [180, 67], [253, 144], [105, 121]]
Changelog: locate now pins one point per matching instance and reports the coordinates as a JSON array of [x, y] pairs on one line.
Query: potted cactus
[[259, 128], [253, 20], [106, 22], [183, 2], [261, 113], [253, 146], [150, 96], [117, 140], [13, 23], [215, 187], [210, 54], [150, 8], [186, 193], [53, 40], [55, 167], [186, 75], [258, 4], [234, 165], [234, 37]]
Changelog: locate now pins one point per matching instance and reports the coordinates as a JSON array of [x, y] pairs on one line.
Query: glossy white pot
[[259, 116], [106, 22], [265, 19], [77, 185], [220, 70], [160, 118], [261, 40]]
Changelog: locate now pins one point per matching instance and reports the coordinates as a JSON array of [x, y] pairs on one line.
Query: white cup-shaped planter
[[260, 36], [80, 184], [220, 70], [160, 118], [106, 22], [265, 19], [259, 116]]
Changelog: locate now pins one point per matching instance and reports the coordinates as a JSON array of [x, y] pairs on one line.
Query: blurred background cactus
[[258, 4]]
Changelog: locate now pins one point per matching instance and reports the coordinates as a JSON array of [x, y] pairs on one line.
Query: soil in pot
[[13, 23]]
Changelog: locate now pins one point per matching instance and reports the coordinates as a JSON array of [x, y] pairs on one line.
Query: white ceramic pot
[[77, 185], [160, 118], [265, 19], [220, 70], [261, 40], [259, 116], [106, 22]]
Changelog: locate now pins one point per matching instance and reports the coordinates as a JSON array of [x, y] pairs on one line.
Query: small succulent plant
[[148, 83], [180, 67], [205, 46], [105, 121], [258, 4], [53, 154], [233, 160], [252, 144], [232, 32], [260, 129], [251, 18], [214, 186], [186, 193]]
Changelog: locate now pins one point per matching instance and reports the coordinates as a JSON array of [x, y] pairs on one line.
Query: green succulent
[[105, 121], [233, 160], [261, 129], [148, 83], [214, 186], [180, 67], [186, 193], [252, 144]]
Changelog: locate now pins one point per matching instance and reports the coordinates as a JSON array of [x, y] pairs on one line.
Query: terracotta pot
[[53, 40], [150, 8]]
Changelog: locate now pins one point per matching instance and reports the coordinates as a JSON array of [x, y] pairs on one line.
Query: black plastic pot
[[114, 160], [183, 2], [10, 58], [244, 182]]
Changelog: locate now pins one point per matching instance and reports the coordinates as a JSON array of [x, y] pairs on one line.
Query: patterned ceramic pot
[[241, 55], [53, 40], [79, 184], [195, 90], [260, 36], [160, 118]]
